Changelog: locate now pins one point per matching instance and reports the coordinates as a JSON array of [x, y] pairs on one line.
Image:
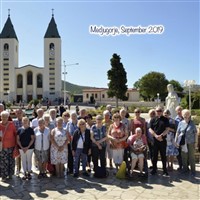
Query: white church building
[[24, 83]]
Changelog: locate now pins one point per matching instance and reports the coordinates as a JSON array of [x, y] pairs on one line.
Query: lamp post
[[8, 92], [64, 87], [189, 84], [158, 98]]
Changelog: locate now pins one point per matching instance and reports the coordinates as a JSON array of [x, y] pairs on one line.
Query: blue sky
[[174, 53]]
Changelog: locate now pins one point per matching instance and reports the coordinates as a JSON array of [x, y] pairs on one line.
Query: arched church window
[[51, 46], [39, 81], [6, 47], [29, 78], [19, 81]]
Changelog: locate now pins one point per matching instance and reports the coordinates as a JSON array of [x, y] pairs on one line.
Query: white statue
[[172, 100]]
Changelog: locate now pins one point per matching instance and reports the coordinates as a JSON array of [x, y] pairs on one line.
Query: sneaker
[[153, 172], [85, 174], [24, 178], [165, 174]]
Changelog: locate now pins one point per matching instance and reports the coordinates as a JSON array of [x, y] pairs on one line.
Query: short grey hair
[[5, 113]]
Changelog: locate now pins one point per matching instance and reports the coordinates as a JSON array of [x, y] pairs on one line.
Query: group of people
[[65, 141]]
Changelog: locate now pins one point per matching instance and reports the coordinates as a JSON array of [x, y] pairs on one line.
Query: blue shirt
[[98, 134], [190, 133], [71, 127]]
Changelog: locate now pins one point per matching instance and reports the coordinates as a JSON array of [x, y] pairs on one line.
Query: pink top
[[117, 132], [132, 139]]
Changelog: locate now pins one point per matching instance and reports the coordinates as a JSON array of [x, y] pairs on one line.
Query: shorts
[[136, 156]]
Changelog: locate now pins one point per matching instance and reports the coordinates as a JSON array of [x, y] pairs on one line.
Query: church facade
[[24, 83]]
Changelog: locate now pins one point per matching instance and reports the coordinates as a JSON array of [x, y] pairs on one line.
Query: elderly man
[[40, 113], [159, 129]]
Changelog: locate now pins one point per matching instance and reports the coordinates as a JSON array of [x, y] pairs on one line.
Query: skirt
[[42, 156], [171, 150]]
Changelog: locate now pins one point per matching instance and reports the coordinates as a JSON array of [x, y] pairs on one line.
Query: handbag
[[140, 150], [182, 142], [16, 152]]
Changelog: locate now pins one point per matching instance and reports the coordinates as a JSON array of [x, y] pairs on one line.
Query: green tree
[[117, 75], [151, 84], [195, 100]]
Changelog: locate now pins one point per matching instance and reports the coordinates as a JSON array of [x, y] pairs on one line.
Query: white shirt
[[81, 141], [34, 123], [42, 140]]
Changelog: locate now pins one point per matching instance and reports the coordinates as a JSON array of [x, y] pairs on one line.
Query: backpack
[[101, 172]]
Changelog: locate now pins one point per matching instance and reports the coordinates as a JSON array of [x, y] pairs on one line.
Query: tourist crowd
[[63, 143]]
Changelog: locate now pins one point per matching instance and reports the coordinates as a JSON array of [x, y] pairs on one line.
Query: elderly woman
[[25, 141], [81, 147], [138, 121], [42, 144], [138, 145], [171, 150], [66, 117], [117, 134], [47, 122], [71, 127], [107, 122], [59, 147], [187, 127], [98, 137], [8, 137]]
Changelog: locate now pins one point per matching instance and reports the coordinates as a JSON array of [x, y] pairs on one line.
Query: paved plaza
[[176, 186]]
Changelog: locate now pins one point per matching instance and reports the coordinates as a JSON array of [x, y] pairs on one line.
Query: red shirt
[[9, 135]]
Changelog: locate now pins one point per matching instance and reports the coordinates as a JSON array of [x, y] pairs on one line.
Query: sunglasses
[[137, 112], [66, 116], [158, 110]]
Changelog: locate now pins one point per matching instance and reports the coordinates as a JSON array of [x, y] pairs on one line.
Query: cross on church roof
[[52, 12]]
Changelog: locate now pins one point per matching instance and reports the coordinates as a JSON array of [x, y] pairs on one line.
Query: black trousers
[[159, 147], [98, 154], [70, 159]]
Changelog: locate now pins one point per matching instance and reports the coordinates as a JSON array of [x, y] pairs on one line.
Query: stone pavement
[[176, 186]]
